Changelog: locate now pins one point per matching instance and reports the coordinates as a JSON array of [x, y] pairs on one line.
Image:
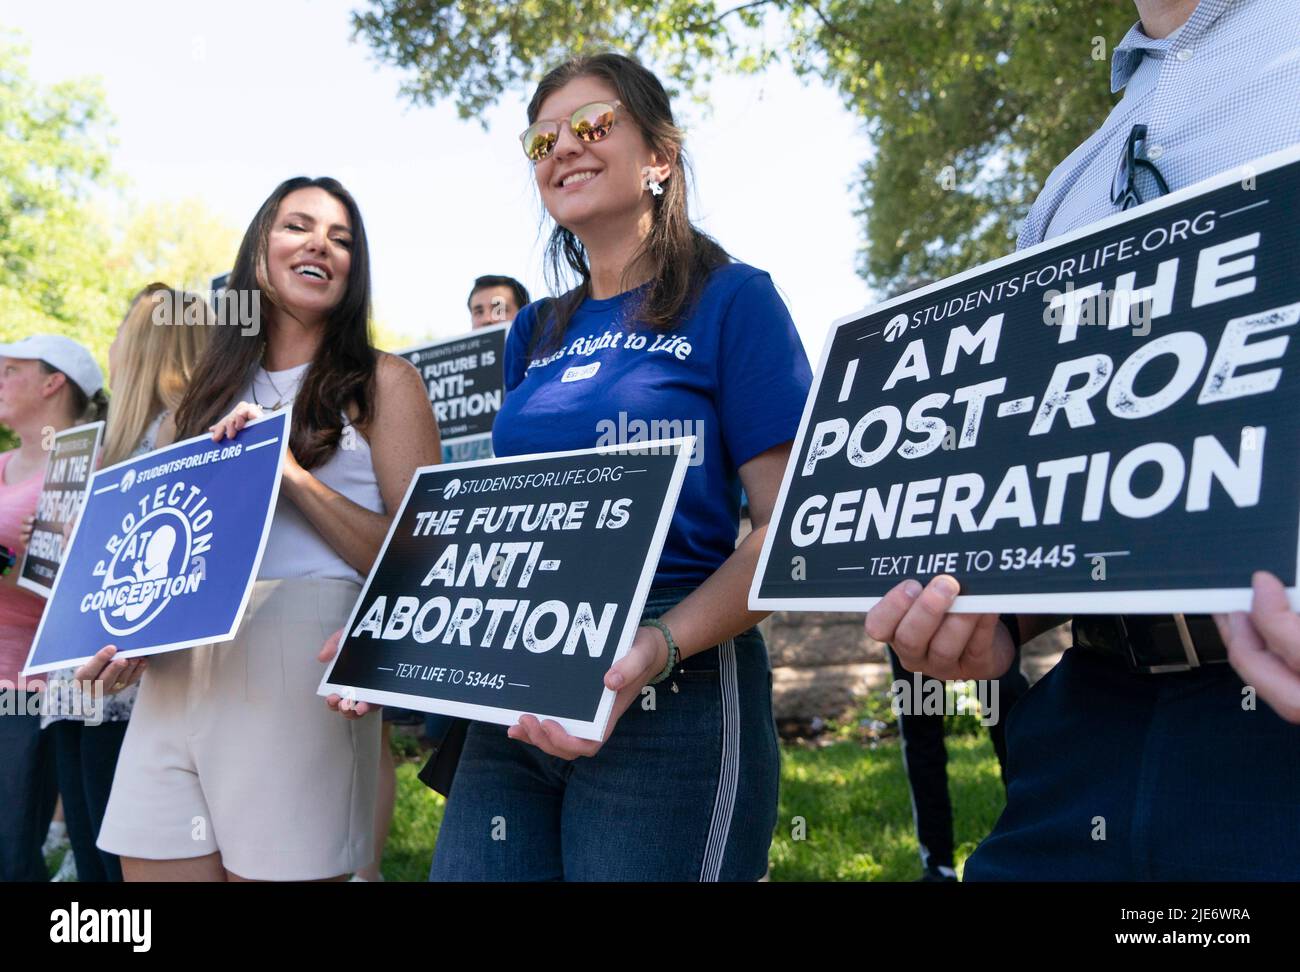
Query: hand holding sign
[[113, 674], [628, 676], [1103, 423], [513, 588], [240, 415], [348, 708], [927, 638], [164, 554], [1264, 645]]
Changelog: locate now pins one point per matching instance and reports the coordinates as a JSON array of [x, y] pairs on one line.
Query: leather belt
[[1153, 643]]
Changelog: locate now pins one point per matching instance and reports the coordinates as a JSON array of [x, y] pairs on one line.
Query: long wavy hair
[[164, 335], [339, 378], [678, 256]]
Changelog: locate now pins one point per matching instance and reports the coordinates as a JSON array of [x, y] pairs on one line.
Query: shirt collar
[[1136, 44]]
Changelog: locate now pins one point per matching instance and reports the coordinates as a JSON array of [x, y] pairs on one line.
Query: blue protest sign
[[166, 550]]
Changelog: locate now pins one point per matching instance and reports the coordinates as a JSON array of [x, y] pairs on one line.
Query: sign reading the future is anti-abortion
[[166, 549], [67, 475], [1109, 421], [465, 380], [511, 586]]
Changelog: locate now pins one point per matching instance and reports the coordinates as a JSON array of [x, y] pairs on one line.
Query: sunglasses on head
[[590, 123]]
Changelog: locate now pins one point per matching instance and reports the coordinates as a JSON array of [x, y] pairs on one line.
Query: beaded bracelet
[[673, 653]]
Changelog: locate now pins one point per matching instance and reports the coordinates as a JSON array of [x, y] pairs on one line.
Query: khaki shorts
[[230, 749]]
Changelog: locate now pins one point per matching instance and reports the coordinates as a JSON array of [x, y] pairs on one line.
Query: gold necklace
[[275, 388]]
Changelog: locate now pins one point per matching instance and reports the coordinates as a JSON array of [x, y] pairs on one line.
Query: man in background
[[495, 300]]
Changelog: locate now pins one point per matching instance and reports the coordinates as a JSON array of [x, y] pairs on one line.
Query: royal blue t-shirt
[[733, 374]]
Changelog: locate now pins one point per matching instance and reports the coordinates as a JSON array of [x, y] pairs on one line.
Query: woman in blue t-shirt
[[684, 785]]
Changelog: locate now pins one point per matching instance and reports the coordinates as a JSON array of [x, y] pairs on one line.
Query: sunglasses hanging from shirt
[[590, 123], [1123, 188]]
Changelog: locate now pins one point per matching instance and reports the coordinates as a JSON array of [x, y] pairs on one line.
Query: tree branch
[[706, 24], [816, 8]]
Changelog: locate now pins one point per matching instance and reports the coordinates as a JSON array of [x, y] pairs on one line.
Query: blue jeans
[[684, 792], [27, 790], [1117, 776]]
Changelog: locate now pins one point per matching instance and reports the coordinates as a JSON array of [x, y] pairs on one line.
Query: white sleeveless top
[[294, 548]]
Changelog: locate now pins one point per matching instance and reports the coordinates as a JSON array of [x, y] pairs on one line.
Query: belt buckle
[[1189, 648]]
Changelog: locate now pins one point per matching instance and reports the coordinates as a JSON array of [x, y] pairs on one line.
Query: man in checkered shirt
[[1116, 772]]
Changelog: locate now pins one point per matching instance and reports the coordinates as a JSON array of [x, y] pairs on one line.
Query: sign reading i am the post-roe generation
[[67, 476], [166, 549], [511, 586], [465, 378], [1109, 421]]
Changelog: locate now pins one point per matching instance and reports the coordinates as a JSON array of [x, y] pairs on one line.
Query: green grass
[[857, 817], [416, 817], [849, 791], [851, 795]]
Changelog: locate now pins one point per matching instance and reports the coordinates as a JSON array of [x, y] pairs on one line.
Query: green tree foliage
[[968, 103], [53, 155], [66, 266], [182, 244]]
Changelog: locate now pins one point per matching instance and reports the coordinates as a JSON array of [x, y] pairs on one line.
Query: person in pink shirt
[[47, 383]]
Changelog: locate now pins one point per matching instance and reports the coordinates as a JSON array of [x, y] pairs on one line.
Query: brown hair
[[678, 256]]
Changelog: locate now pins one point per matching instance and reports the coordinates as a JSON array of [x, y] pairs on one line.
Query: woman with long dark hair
[[229, 771], [686, 788]]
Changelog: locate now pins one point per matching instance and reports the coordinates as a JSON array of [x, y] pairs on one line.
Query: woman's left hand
[[1264, 645], [628, 676], [233, 424]]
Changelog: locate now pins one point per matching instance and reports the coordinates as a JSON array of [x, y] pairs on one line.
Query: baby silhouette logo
[[151, 558]]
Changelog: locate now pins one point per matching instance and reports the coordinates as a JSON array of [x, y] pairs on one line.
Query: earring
[[648, 181]]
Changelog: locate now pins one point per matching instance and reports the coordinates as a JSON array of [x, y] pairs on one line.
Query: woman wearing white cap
[[46, 382]]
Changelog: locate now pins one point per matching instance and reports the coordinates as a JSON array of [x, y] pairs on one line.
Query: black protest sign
[[1106, 422], [465, 378], [67, 476], [512, 585]]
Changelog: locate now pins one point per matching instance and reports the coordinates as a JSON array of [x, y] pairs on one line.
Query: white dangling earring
[[648, 181]]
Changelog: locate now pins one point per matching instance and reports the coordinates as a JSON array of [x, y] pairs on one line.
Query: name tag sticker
[[581, 372]]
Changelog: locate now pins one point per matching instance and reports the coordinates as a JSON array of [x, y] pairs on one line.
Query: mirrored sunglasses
[[590, 123]]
